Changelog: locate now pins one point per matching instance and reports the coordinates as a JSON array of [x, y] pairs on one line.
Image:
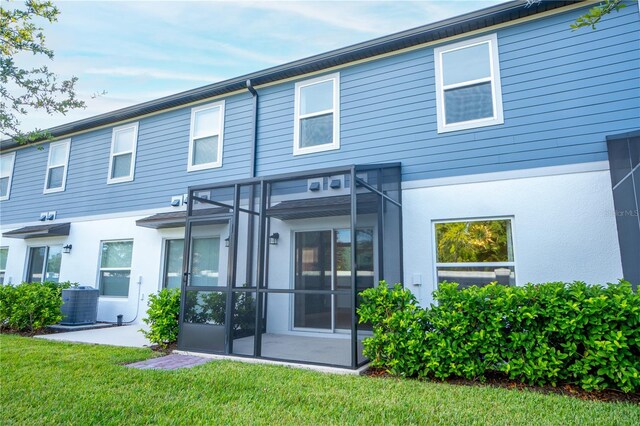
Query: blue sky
[[142, 50]]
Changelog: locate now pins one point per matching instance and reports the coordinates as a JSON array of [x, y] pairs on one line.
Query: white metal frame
[[3, 270], [163, 259], [434, 247], [67, 144], [221, 114], [335, 144], [113, 154], [8, 174], [45, 265], [494, 78], [100, 268]]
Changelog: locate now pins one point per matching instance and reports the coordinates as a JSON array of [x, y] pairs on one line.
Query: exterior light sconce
[[273, 239], [226, 242], [67, 249]]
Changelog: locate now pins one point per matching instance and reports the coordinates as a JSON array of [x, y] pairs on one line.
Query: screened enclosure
[[273, 266]]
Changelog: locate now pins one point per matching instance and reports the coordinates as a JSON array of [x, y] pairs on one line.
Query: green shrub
[[163, 316], [538, 334], [29, 307]]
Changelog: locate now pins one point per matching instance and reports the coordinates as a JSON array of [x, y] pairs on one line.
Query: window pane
[[316, 97], [114, 283], [173, 265], [205, 259], [468, 103], [205, 150], [206, 122], [4, 252], [124, 140], [121, 166], [1, 277], [36, 263], [316, 131], [52, 271], [58, 155], [55, 177], [205, 307], [116, 254], [312, 311], [5, 165], [4, 186], [313, 261], [470, 63], [477, 276], [475, 241]]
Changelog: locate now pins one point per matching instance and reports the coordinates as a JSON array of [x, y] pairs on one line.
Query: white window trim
[[218, 163], [134, 148], [434, 247], [297, 150], [100, 269], [67, 143], [4, 270], [27, 268], [496, 86], [9, 175], [165, 261]]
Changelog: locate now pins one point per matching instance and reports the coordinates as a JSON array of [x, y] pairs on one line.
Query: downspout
[[252, 174]]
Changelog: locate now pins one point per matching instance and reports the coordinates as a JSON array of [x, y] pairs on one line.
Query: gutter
[[252, 174], [429, 33]]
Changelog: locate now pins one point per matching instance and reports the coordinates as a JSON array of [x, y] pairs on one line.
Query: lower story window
[[475, 252], [4, 252], [44, 264], [115, 268]]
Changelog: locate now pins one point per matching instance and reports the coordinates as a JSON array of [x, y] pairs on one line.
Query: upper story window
[[317, 115], [6, 174], [468, 92], [122, 161], [56, 177], [205, 139]]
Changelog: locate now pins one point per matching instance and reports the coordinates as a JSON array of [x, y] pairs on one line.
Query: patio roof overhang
[[39, 231], [306, 208], [178, 219]]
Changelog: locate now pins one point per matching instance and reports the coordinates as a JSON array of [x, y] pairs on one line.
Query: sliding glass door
[[323, 264]]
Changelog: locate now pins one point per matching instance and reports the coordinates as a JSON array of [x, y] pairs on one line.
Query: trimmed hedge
[[29, 307], [162, 317], [539, 334]]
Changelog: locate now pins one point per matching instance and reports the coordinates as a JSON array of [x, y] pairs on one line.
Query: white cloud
[[153, 73]]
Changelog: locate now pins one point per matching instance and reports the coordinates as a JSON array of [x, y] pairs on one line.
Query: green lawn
[[54, 383]]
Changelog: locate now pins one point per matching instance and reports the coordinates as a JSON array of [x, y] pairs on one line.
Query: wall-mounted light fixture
[[226, 242], [67, 249], [273, 239]]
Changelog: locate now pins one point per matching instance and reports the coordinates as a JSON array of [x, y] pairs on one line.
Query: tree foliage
[[36, 88], [482, 241], [594, 15]]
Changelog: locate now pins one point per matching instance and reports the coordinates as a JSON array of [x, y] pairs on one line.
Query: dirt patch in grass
[[166, 350], [27, 333], [500, 381]]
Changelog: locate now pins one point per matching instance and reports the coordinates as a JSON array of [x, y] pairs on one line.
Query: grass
[[44, 382]]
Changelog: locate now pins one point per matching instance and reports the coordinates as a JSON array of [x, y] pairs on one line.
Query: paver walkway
[[169, 362]]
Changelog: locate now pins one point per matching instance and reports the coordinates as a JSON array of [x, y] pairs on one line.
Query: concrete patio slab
[[128, 335], [170, 362]]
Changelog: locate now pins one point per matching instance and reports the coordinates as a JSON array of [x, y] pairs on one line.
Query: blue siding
[[563, 92], [160, 172]]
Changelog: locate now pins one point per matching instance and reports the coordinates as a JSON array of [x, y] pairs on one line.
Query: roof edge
[[475, 20]]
